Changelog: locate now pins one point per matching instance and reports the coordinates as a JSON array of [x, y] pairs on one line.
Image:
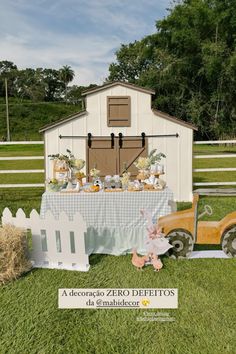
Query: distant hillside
[[27, 117]]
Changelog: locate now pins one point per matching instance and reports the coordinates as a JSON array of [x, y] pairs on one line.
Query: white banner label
[[118, 298]]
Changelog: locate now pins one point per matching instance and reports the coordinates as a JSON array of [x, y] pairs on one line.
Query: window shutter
[[118, 111]]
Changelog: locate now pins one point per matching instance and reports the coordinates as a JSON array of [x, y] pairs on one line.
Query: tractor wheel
[[228, 241], [182, 242]]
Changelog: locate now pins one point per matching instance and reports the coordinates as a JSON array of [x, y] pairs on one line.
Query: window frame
[[124, 122]]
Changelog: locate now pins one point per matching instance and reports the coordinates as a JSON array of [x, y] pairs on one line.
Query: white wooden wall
[[178, 164]]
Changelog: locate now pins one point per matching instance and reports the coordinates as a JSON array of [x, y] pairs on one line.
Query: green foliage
[[154, 157], [66, 75], [40, 84], [191, 63], [27, 118]]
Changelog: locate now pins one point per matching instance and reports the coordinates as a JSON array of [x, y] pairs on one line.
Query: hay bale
[[13, 253]]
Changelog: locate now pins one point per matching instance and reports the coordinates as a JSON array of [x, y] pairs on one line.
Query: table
[[114, 222]]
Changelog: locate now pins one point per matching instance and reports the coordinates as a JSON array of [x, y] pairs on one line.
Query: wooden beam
[[216, 191], [214, 142], [214, 184], [213, 169], [21, 171], [213, 156], [27, 185], [21, 142], [21, 158]]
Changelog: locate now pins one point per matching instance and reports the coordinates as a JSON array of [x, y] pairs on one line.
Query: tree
[[74, 94], [66, 76], [7, 70], [191, 63], [54, 86], [30, 84]]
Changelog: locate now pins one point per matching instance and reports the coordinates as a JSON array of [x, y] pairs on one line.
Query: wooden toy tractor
[[184, 230]]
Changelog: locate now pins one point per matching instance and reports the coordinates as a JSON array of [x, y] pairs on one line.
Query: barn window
[[118, 111]]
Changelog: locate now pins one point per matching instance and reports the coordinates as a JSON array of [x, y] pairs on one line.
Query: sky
[[82, 34]]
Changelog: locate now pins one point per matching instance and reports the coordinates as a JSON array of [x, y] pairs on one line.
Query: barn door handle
[[89, 140], [112, 140], [120, 140], [143, 139]]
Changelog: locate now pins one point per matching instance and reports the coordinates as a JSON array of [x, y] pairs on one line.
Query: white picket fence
[[56, 243]]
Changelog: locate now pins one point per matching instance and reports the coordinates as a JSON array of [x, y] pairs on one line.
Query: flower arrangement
[[94, 172], [71, 162], [79, 175], [53, 185], [154, 158], [144, 163], [125, 179], [79, 164]]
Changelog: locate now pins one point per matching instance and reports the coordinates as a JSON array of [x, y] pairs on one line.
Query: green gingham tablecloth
[[114, 222]]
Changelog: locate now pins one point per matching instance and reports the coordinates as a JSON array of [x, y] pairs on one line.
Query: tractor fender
[[228, 221]]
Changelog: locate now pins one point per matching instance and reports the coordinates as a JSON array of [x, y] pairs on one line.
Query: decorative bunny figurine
[[156, 243]]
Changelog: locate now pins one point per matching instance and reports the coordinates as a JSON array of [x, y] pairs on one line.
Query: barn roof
[[115, 83], [174, 119], [62, 120]]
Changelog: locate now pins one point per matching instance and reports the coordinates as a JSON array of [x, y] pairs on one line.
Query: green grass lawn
[[214, 149], [21, 150], [19, 178], [22, 165], [25, 198], [27, 117], [214, 163], [204, 323], [214, 176]]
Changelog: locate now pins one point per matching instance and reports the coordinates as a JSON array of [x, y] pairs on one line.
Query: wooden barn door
[[112, 158], [102, 155], [128, 152]]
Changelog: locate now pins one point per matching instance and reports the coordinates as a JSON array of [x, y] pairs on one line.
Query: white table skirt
[[114, 222]]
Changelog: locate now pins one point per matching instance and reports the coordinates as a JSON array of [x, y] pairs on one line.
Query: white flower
[[78, 164], [94, 172], [143, 163], [116, 178], [108, 178], [125, 178]]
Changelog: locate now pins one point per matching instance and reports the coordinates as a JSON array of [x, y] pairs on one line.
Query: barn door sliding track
[[120, 136]]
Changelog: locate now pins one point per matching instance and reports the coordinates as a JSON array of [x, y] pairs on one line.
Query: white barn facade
[[119, 125]]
